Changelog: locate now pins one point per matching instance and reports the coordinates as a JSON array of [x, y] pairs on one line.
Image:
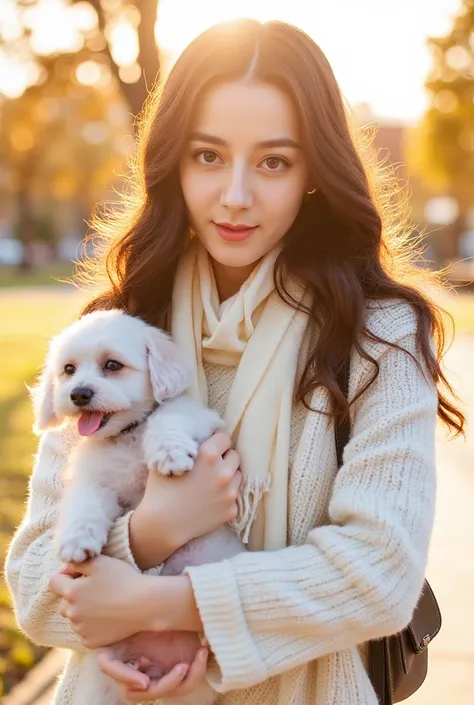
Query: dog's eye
[[113, 366], [69, 369]]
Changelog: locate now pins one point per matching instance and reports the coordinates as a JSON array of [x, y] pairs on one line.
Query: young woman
[[256, 236]]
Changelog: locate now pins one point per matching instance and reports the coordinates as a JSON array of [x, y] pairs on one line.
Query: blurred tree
[[60, 143], [140, 15], [117, 35], [441, 149], [67, 57]]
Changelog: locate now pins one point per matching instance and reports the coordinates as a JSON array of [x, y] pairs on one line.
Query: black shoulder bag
[[398, 663]]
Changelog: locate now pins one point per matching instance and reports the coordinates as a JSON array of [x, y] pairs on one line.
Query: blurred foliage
[[29, 323], [66, 126], [441, 149], [115, 36], [60, 143], [62, 138]]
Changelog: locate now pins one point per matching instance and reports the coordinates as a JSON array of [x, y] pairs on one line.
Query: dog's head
[[106, 371]]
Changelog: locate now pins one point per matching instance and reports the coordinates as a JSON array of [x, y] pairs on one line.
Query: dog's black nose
[[81, 396]]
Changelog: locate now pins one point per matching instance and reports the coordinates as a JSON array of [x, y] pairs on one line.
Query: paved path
[[451, 564]]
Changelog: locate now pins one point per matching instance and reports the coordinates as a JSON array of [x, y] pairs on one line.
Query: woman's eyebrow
[[277, 142]]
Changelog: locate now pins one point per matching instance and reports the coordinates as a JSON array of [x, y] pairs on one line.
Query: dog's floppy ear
[[170, 368], [42, 397]]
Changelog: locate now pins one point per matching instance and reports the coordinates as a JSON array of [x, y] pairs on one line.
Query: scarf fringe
[[251, 492]]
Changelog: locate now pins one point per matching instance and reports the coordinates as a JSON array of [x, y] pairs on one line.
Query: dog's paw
[[171, 454], [78, 543]]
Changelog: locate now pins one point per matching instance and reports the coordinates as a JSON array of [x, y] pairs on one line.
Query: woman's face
[[243, 171]]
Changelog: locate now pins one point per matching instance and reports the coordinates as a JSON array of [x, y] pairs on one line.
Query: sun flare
[[196, 16], [377, 50]]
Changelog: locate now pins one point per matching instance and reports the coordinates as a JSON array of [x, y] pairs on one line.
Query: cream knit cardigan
[[287, 626]]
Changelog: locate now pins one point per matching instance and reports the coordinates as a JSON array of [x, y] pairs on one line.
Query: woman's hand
[[175, 510], [137, 686], [105, 599]]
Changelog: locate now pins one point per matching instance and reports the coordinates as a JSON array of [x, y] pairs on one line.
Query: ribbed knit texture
[[287, 627]]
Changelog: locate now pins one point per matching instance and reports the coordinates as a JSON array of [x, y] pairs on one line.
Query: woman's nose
[[237, 191]]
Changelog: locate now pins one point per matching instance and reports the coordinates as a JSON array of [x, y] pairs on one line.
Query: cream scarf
[[260, 334]]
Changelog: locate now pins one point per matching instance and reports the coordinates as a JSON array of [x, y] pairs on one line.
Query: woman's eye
[[113, 365], [275, 163], [207, 156], [69, 369]]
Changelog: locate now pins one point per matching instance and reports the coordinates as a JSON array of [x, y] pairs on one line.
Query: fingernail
[[182, 670]]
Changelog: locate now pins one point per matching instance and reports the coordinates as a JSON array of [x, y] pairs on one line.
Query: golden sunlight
[[377, 49], [194, 17]]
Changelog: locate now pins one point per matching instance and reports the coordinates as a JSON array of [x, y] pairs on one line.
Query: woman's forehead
[[255, 112]]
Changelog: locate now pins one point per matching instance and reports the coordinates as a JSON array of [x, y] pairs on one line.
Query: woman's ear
[[42, 397], [170, 368]]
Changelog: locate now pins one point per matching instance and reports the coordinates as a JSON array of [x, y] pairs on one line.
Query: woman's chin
[[235, 255]]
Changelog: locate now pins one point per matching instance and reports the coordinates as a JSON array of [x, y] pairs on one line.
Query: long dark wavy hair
[[350, 242]]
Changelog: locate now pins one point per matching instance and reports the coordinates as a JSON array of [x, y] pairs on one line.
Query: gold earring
[[310, 193]]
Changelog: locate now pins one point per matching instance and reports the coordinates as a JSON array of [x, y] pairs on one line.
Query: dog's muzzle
[[81, 396]]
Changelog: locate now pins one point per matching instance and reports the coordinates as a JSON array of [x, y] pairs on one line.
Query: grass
[[28, 322], [48, 275]]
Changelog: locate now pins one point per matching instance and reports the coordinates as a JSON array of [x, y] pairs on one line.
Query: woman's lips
[[234, 234]]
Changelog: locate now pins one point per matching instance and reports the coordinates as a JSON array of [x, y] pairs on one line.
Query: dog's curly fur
[[134, 417]]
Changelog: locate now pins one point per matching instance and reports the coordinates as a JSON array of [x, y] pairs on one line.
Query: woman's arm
[[172, 511], [32, 559], [360, 577], [140, 538]]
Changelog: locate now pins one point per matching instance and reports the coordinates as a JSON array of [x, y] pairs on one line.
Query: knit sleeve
[[32, 559], [355, 579]]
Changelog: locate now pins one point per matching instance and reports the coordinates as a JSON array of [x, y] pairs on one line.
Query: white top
[[288, 626]]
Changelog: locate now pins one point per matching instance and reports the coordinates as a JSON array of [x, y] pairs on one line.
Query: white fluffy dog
[[123, 383]]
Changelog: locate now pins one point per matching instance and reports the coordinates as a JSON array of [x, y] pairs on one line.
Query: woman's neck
[[230, 279]]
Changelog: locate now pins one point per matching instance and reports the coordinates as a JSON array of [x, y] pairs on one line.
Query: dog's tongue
[[89, 422]]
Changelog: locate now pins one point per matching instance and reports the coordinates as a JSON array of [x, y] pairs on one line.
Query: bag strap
[[342, 428], [379, 659]]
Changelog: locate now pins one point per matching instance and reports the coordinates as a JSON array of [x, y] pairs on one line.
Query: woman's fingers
[[235, 482], [165, 687], [68, 569], [189, 684], [195, 673], [143, 663], [215, 446], [63, 609], [137, 687], [121, 672]]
